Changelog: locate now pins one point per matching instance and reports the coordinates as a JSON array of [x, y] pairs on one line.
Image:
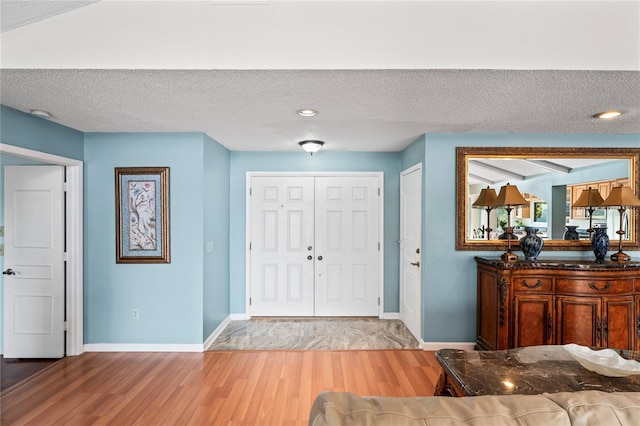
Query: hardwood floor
[[14, 371], [226, 387]]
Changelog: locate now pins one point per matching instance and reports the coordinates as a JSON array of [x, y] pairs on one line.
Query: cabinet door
[[618, 323], [488, 310], [578, 320], [533, 320], [578, 212], [637, 327]]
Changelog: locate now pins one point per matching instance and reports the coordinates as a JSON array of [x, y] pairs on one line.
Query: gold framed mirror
[[551, 180]]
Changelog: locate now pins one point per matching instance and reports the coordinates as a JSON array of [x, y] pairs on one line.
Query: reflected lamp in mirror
[[485, 200], [509, 197], [589, 198], [621, 198]]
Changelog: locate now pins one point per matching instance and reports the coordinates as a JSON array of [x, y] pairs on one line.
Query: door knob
[[309, 257], [319, 257], [416, 264], [8, 272]]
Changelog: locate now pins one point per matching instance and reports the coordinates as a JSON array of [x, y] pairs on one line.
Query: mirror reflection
[[551, 181]]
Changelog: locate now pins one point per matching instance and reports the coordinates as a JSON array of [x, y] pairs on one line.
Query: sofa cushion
[[599, 408], [337, 408]]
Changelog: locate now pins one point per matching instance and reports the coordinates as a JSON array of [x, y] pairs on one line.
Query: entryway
[[315, 244]]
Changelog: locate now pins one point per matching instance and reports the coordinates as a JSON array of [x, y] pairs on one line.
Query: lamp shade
[[621, 196], [486, 198], [589, 198], [510, 196]]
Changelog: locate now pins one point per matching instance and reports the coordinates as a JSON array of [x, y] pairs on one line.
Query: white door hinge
[[378, 246], [378, 192], [249, 301], [378, 301], [66, 256], [250, 192], [65, 187], [65, 326], [249, 246]]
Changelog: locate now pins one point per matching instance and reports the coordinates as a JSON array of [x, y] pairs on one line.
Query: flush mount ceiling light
[[311, 146], [306, 112], [606, 115], [40, 113]]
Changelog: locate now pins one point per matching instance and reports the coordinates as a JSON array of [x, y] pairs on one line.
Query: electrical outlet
[[135, 314]]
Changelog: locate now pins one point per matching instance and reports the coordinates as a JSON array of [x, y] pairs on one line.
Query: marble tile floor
[[314, 334]]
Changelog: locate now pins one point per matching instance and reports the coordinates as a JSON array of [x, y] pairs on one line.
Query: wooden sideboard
[[558, 302]]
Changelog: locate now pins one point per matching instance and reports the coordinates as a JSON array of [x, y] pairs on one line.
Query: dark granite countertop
[[531, 370], [558, 264]]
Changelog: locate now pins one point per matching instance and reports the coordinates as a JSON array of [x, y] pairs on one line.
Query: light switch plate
[[209, 247]]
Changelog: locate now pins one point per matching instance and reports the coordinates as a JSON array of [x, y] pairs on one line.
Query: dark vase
[[571, 233], [600, 243], [531, 244]]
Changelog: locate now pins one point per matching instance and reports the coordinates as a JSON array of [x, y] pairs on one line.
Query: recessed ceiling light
[[608, 114], [40, 113], [306, 112]]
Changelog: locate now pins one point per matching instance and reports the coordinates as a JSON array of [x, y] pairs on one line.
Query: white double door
[[314, 246]]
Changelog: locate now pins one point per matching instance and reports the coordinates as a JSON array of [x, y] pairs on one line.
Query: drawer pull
[[594, 286], [527, 285]]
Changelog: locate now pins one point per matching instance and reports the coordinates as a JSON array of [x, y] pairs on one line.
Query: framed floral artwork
[[142, 215]]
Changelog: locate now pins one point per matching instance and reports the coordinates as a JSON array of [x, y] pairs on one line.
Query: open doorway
[[73, 266]]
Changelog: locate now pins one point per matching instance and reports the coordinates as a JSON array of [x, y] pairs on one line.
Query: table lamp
[[621, 197], [508, 198], [486, 199], [589, 198]]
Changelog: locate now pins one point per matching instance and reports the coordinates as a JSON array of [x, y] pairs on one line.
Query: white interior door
[[33, 306], [410, 249], [347, 246], [282, 246]]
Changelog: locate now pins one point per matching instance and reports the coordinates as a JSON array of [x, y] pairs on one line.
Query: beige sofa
[[589, 408]]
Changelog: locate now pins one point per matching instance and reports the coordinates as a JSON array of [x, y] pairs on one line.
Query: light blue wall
[[242, 162], [216, 231], [413, 154], [169, 296], [449, 276], [26, 131]]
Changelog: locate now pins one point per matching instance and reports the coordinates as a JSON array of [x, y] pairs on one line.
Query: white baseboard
[[436, 346], [213, 336], [239, 317], [390, 315], [143, 347]]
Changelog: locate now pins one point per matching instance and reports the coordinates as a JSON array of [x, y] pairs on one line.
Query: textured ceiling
[[360, 110], [381, 73]]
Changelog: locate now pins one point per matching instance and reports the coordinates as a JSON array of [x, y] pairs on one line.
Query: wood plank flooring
[[15, 370], [225, 387]]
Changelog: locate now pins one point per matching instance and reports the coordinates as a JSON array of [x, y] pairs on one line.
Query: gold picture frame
[[142, 215]]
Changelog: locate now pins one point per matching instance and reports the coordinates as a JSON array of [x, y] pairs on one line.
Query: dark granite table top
[[554, 264], [528, 371]]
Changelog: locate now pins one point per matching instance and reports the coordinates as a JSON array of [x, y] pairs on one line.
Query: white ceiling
[[380, 73]]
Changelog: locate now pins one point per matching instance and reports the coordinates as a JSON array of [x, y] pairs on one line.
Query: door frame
[[249, 175], [73, 235], [401, 283]]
